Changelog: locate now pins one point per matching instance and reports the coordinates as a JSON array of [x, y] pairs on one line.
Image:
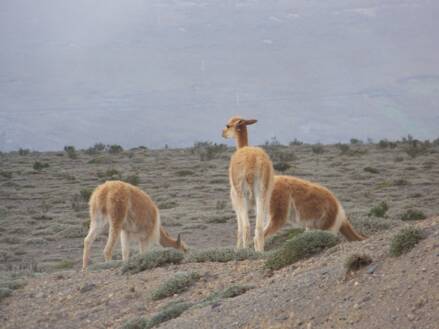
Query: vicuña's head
[[180, 245], [235, 125]]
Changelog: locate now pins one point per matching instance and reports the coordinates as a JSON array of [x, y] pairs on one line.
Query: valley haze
[[171, 72]]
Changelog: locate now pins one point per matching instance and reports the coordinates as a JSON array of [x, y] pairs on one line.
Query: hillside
[[44, 219]]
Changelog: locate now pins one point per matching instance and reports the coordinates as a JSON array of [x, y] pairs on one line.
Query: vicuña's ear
[[178, 240], [250, 122]]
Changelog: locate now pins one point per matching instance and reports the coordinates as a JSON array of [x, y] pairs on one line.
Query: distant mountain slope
[[162, 71]]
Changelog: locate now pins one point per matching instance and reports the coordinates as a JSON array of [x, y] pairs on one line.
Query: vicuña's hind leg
[[96, 225], [240, 206], [113, 234], [125, 245], [262, 206]]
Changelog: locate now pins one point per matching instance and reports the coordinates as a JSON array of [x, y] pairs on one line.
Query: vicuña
[[251, 178], [131, 214]]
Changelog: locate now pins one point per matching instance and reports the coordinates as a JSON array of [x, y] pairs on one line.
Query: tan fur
[[309, 204], [131, 214], [251, 178]]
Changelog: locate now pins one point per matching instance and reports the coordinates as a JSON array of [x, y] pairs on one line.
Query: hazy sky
[[136, 72]]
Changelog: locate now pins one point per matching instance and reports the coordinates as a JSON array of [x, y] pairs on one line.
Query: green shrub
[[296, 142], [413, 214], [23, 151], [98, 147], [85, 194], [155, 258], [281, 166], [400, 182], [276, 241], [179, 283], [379, 210], [317, 149], [6, 174], [371, 225], [38, 166], [356, 261], [355, 141], [279, 155], [167, 205], [371, 170], [384, 143], [208, 150], [221, 255], [106, 265], [219, 219], [415, 149], [344, 148], [115, 149], [170, 311], [221, 204], [230, 292], [71, 151], [64, 264], [132, 179], [405, 240], [184, 172], [5, 292], [301, 246], [109, 174]]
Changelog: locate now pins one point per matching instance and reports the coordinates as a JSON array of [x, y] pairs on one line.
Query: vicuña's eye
[[227, 126]]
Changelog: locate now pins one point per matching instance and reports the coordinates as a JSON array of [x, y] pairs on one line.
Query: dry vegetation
[[43, 211]]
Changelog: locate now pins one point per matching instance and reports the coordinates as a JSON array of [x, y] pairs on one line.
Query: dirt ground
[[44, 220]]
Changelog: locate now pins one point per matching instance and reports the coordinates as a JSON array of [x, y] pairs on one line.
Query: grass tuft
[[379, 210], [301, 246], [405, 240], [371, 170], [222, 255], [413, 214], [372, 225], [155, 258], [179, 283], [276, 241], [230, 292], [171, 311], [5, 292]]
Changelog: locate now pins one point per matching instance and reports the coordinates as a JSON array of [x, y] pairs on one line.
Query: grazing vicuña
[[131, 214], [308, 204]]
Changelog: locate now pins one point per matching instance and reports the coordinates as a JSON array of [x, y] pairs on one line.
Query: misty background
[[138, 72]]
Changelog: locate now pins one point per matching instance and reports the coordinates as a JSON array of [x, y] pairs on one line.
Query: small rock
[[40, 295], [371, 268], [87, 287], [411, 316]]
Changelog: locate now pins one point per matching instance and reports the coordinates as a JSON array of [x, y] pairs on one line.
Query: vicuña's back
[[250, 167], [131, 214], [251, 178], [309, 204]]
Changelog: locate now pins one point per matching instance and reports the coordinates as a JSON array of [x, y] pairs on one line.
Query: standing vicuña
[[131, 214], [251, 178], [308, 204]]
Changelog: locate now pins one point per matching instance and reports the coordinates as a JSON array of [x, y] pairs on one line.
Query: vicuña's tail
[[349, 233]]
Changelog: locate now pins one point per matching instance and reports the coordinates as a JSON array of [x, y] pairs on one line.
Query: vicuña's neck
[[242, 138]]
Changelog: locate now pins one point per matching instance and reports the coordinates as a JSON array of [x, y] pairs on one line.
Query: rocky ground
[[43, 213]]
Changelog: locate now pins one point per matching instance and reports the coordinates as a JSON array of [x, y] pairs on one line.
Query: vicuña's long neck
[[166, 240], [242, 138]]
